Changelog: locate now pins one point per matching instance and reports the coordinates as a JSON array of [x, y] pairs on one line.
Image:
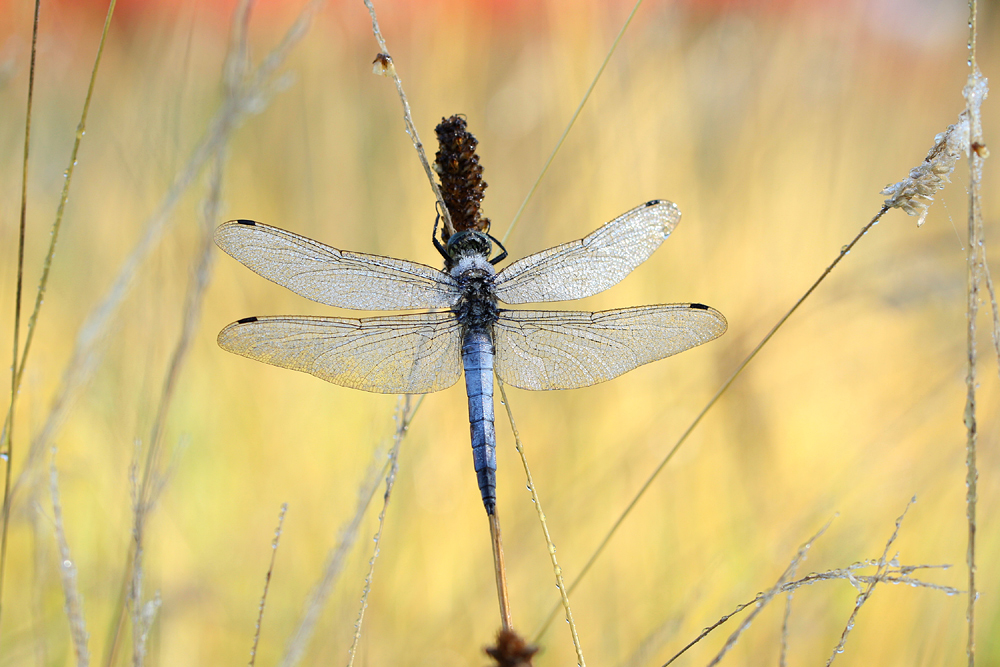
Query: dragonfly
[[464, 324]]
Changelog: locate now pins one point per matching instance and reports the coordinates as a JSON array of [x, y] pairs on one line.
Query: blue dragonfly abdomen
[[477, 360]]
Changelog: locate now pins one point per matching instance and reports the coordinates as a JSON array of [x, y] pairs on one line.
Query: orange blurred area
[[772, 125]]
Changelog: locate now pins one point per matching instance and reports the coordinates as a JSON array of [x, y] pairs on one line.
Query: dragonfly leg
[[502, 256], [437, 244]]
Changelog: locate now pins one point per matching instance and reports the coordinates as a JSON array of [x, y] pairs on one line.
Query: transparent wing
[[538, 349], [335, 277], [583, 268], [403, 354]]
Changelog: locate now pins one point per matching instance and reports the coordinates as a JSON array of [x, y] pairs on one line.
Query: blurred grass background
[[772, 125]]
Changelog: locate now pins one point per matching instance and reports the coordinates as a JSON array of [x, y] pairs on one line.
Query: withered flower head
[[461, 175], [511, 650]]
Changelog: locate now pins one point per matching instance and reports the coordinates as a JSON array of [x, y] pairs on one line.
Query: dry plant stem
[[975, 251], [335, 562], [792, 569], [891, 574], [41, 565], [973, 30], [81, 129], [500, 569], [267, 583], [783, 656], [189, 323], [234, 79], [572, 120], [87, 351], [390, 480], [348, 535], [550, 545], [709, 629], [846, 574], [6, 446], [152, 477], [143, 614], [994, 308], [972, 473], [844, 251], [880, 572], [759, 602], [67, 572], [764, 599], [411, 129]]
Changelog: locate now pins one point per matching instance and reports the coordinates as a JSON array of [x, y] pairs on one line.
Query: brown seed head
[[461, 175], [511, 650]]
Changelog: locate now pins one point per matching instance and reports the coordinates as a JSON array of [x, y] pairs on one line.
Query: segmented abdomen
[[477, 359]]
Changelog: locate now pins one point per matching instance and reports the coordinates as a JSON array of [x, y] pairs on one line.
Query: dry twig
[[402, 419], [550, 545], [267, 583], [68, 574], [384, 65]]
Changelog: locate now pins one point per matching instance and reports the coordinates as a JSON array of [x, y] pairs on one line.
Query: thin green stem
[[7, 445], [81, 129], [569, 126]]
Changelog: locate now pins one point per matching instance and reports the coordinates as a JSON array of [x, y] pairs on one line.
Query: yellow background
[[772, 127]]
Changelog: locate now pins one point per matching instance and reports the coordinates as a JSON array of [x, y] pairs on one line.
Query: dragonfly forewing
[[542, 350], [403, 354], [335, 277], [592, 264]]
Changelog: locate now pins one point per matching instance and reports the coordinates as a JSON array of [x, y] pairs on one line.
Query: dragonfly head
[[468, 242]]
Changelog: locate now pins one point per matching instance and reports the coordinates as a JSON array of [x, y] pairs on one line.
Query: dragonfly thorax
[[477, 303]]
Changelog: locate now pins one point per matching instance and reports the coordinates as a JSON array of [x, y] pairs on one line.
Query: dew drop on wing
[[4, 456]]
